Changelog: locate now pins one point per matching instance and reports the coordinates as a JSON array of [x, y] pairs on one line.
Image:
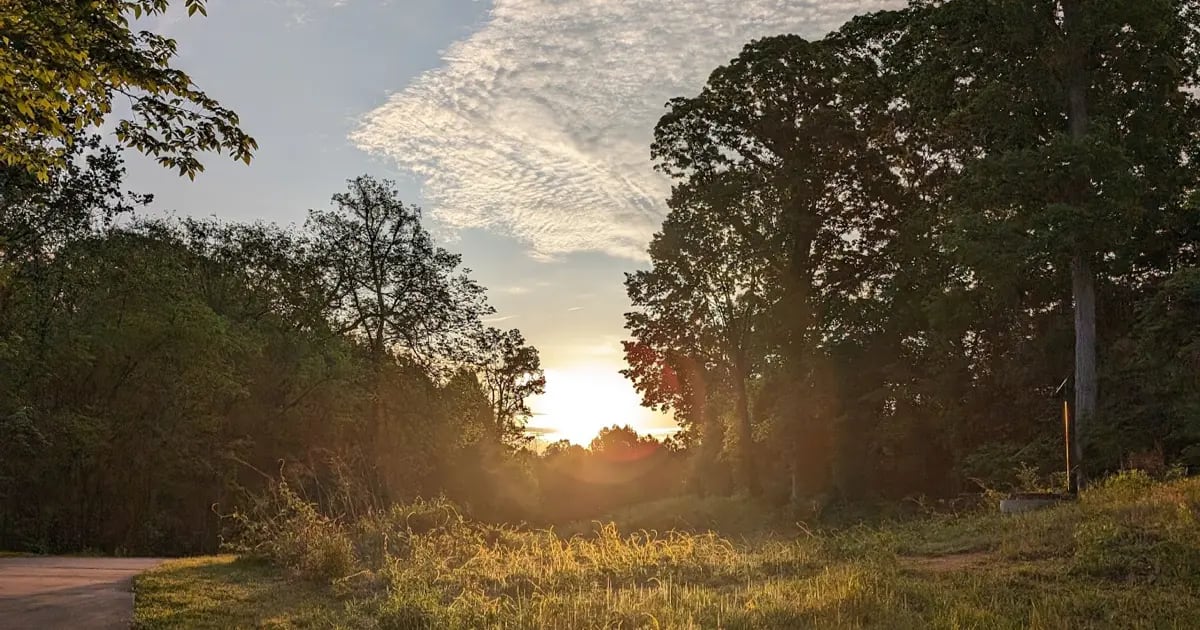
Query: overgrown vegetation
[[1127, 554]]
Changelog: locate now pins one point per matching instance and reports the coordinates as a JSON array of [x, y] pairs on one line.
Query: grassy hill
[[1126, 555]]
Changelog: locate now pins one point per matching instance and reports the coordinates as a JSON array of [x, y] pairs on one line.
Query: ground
[[93, 593], [224, 592], [1126, 555]]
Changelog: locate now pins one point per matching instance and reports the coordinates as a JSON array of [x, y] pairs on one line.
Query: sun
[[579, 401]]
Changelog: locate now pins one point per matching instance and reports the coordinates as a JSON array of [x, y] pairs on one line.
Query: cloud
[[538, 126], [574, 308], [497, 320], [514, 290], [300, 12]]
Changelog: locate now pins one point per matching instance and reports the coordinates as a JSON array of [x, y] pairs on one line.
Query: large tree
[[784, 130], [390, 284], [1069, 132], [704, 299]]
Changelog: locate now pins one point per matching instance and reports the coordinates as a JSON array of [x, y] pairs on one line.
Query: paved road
[[83, 593]]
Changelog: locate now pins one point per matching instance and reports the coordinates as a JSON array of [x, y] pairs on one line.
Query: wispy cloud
[[514, 290], [574, 308], [497, 320], [539, 125], [300, 12]]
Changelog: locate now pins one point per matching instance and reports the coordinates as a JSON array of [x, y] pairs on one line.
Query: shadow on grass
[[226, 592]]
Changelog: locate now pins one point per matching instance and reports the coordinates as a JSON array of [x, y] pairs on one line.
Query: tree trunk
[[745, 431], [1083, 285], [1083, 279]]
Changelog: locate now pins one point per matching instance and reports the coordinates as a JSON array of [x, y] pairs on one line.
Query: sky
[[522, 127]]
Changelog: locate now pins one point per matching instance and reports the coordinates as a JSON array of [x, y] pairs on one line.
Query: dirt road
[[55, 592]]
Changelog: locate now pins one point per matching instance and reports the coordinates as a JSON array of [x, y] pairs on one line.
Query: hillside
[[1127, 554]]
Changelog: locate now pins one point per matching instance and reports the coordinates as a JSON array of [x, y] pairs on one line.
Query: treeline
[[618, 468], [158, 375], [157, 372], [886, 250]]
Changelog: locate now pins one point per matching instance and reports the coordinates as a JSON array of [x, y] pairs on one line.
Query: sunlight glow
[[581, 400]]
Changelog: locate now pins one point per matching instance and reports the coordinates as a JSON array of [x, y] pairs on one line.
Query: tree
[[413, 310], [511, 372], [778, 145], [390, 285], [622, 443], [1080, 169], [39, 217], [63, 62], [704, 298]]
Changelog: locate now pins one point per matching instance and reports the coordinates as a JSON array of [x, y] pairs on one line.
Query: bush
[[283, 528], [1125, 485], [386, 533]]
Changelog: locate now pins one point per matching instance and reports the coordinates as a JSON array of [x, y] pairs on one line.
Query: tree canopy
[[951, 206]]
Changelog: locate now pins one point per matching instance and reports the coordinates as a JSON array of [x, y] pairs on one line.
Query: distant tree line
[[887, 248], [618, 468]]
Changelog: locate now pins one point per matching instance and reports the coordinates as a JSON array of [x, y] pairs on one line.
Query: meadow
[[1126, 554]]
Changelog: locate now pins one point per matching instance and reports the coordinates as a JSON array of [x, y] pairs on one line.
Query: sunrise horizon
[[549, 200]]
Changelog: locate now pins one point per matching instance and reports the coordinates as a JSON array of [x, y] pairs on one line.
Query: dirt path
[[55, 592]]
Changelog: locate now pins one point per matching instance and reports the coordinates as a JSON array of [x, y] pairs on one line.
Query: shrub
[[1125, 485], [385, 533], [283, 528]]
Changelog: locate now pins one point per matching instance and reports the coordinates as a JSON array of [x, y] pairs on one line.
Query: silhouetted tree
[[511, 372]]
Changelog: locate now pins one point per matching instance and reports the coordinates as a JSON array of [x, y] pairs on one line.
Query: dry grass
[[1126, 555]]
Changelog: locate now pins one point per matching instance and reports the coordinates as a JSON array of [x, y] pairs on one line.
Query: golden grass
[[1126, 555]]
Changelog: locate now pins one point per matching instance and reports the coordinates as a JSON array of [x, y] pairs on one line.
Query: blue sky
[[521, 126]]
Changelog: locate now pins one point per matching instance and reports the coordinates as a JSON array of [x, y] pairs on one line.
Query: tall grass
[[1127, 554]]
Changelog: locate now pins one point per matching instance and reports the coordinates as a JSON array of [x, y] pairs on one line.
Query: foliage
[[928, 212], [61, 65], [619, 468], [286, 530], [511, 372], [154, 368]]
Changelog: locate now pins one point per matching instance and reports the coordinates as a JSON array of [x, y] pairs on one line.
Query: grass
[[227, 592], [1127, 554]]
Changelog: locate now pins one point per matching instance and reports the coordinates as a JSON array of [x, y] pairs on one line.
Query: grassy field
[[1126, 555]]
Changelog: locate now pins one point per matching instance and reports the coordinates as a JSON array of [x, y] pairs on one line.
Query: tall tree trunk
[[801, 306], [1083, 279], [745, 431], [1083, 287]]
